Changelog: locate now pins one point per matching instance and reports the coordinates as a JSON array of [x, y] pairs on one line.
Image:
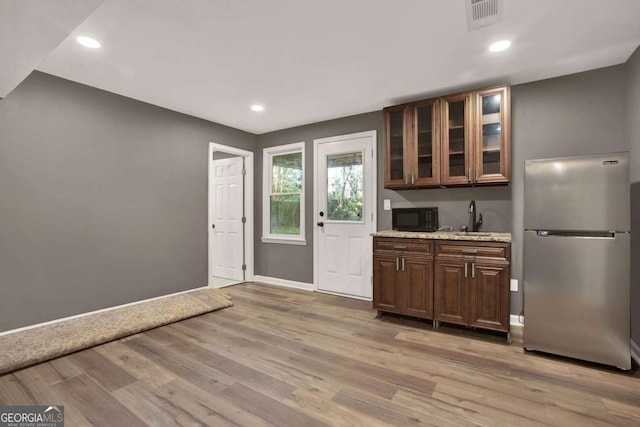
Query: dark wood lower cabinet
[[472, 284], [417, 288], [403, 277], [489, 297], [466, 283], [385, 283], [451, 292]]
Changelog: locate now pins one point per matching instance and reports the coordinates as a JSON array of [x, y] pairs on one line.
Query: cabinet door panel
[[492, 139], [425, 167], [489, 297], [456, 134], [418, 289], [397, 160], [450, 292], [385, 283]]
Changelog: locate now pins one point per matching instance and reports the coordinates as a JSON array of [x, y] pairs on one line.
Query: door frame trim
[[374, 161], [248, 209]]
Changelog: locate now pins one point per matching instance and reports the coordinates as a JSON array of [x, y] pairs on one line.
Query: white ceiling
[[310, 60], [30, 30]]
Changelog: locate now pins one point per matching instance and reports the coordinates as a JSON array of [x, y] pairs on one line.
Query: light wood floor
[[293, 358]]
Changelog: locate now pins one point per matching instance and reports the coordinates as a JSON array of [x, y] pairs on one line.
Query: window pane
[[344, 187], [286, 173], [285, 214]]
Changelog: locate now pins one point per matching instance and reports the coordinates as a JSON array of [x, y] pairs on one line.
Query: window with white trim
[[283, 194]]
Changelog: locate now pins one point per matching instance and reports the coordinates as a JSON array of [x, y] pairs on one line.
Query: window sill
[[285, 240]]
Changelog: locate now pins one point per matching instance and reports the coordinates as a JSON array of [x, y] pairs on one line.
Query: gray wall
[[103, 200], [572, 115], [293, 262], [633, 129]]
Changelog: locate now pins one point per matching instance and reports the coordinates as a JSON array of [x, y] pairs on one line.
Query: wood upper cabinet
[[457, 152], [492, 150], [461, 139], [412, 149], [397, 146], [403, 276]]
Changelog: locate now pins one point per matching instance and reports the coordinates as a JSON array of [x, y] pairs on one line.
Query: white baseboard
[[283, 282], [635, 352], [345, 295], [514, 319], [89, 313]]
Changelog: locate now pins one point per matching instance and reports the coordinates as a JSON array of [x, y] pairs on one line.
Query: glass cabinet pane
[[491, 132], [425, 141], [456, 129], [396, 145]]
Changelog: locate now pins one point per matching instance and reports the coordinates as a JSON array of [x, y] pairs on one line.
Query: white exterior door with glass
[[345, 215]]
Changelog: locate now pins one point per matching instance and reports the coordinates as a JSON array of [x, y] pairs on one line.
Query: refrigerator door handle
[[567, 233]]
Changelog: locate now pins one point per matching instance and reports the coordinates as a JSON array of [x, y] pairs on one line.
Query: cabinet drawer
[[473, 249], [419, 246]]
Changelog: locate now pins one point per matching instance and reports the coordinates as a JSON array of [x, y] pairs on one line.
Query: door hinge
[[244, 267], [244, 171], [372, 153], [244, 219]]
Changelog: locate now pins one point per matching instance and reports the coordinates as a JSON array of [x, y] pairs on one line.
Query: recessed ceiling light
[[257, 107], [88, 42], [500, 46]]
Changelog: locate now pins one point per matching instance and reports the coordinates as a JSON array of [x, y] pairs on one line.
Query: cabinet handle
[[469, 174], [412, 181], [400, 247], [397, 263], [477, 175], [465, 269], [406, 180], [469, 251], [402, 264], [473, 270]]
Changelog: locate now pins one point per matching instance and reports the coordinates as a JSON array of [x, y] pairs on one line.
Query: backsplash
[[494, 203]]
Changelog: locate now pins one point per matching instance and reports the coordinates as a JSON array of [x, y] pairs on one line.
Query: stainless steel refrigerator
[[576, 258]]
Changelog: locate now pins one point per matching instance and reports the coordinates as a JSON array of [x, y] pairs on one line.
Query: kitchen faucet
[[475, 226]]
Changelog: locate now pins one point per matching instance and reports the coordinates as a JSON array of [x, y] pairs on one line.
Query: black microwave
[[415, 219]]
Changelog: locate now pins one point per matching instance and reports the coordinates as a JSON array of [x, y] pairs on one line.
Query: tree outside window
[[283, 205]]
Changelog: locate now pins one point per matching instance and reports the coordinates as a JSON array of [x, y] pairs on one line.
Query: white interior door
[[345, 213], [228, 229]]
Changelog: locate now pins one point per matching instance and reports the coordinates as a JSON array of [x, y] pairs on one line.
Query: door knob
[[321, 224]]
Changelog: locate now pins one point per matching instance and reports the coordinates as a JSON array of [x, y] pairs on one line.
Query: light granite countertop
[[478, 236]]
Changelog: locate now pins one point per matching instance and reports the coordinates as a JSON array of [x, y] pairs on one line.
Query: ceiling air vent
[[481, 13]]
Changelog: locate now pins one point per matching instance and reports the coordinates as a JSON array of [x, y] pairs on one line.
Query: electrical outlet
[[514, 285], [387, 204]]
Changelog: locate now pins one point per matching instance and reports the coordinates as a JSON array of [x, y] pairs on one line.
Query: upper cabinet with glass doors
[[461, 139], [492, 156], [412, 147]]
